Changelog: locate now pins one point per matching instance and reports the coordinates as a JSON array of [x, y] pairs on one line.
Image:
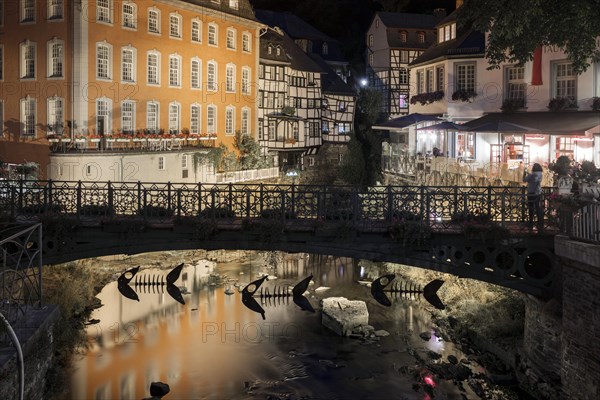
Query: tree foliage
[[249, 151], [516, 29]]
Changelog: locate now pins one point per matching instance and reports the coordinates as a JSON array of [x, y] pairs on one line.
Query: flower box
[[123, 140], [65, 140], [53, 140], [110, 140], [80, 140], [95, 140]]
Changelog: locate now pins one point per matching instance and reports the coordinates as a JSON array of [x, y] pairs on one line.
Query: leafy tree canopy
[[516, 29]]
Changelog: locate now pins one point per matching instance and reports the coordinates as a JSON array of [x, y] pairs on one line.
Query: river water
[[213, 347]]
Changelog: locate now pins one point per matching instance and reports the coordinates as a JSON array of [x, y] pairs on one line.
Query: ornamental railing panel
[[437, 206], [20, 270]]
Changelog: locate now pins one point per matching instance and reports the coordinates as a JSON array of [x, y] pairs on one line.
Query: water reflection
[[212, 346]]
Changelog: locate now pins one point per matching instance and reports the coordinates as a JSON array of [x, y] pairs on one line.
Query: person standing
[[534, 195]]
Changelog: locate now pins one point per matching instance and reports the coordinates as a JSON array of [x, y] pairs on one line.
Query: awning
[[405, 121], [444, 126], [557, 123]]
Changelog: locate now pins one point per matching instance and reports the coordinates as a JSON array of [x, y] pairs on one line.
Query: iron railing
[[435, 206], [21, 270], [586, 224]]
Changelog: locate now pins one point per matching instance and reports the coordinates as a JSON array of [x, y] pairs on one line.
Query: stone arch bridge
[[473, 232]]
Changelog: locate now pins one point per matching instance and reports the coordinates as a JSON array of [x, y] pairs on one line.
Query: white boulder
[[342, 315]]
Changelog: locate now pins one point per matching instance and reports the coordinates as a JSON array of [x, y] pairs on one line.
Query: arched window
[[153, 20], [325, 48], [196, 73], [211, 75], [174, 117], [229, 120], [129, 15], [55, 51]]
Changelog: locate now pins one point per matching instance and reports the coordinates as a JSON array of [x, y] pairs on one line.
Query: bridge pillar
[[580, 354]]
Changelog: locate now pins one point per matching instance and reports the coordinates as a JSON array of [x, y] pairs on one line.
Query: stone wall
[[38, 347], [580, 372]]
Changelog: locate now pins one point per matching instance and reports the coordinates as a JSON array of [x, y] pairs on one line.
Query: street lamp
[[292, 173]]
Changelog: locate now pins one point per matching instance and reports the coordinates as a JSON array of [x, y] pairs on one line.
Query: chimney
[[439, 14], [459, 3]]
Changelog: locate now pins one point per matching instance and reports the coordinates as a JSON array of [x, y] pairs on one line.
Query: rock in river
[[342, 315]]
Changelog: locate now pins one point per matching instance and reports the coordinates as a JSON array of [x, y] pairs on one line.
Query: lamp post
[[292, 173]]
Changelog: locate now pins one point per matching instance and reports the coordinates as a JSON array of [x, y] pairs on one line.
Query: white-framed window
[[128, 64], [245, 80], [403, 75], [56, 114], [211, 75], [371, 41], [564, 80], [430, 80], [245, 121], [296, 131], [271, 129], [229, 120], [175, 70], [403, 36], [230, 78], [441, 34], [174, 117], [162, 165], [55, 9], [324, 48], [103, 61], [184, 161], [195, 122], [153, 65], [55, 63], [175, 25], [213, 34], [196, 73], [278, 50], [128, 116], [104, 11], [211, 119], [420, 82], [154, 20], [465, 77], [27, 10], [440, 77], [196, 30], [421, 37], [103, 115], [447, 33], [1, 62], [246, 46], [231, 34], [234, 4], [152, 116], [28, 116], [129, 15], [28, 60], [515, 83], [453, 31]]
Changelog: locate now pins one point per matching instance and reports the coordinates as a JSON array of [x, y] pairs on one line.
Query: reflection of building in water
[[155, 339], [327, 270]]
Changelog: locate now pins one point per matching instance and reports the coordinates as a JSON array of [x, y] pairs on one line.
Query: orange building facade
[[99, 67]]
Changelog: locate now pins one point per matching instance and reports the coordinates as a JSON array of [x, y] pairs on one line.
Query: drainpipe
[[20, 360]]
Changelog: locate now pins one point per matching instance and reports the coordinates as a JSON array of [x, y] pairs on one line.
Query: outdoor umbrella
[[405, 121], [500, 127]]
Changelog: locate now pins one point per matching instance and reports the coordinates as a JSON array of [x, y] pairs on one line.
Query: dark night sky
[[348, 20]]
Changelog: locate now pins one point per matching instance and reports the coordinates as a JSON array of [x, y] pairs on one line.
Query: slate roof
[[330, 81], [297, 29], [466, 45], [407, 20], [244, 8], [291, 53]]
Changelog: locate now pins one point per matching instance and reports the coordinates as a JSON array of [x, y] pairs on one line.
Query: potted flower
[[587, 176], [427, 98], [512, 105], [464, 95], [561, 104], [562, 174]]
